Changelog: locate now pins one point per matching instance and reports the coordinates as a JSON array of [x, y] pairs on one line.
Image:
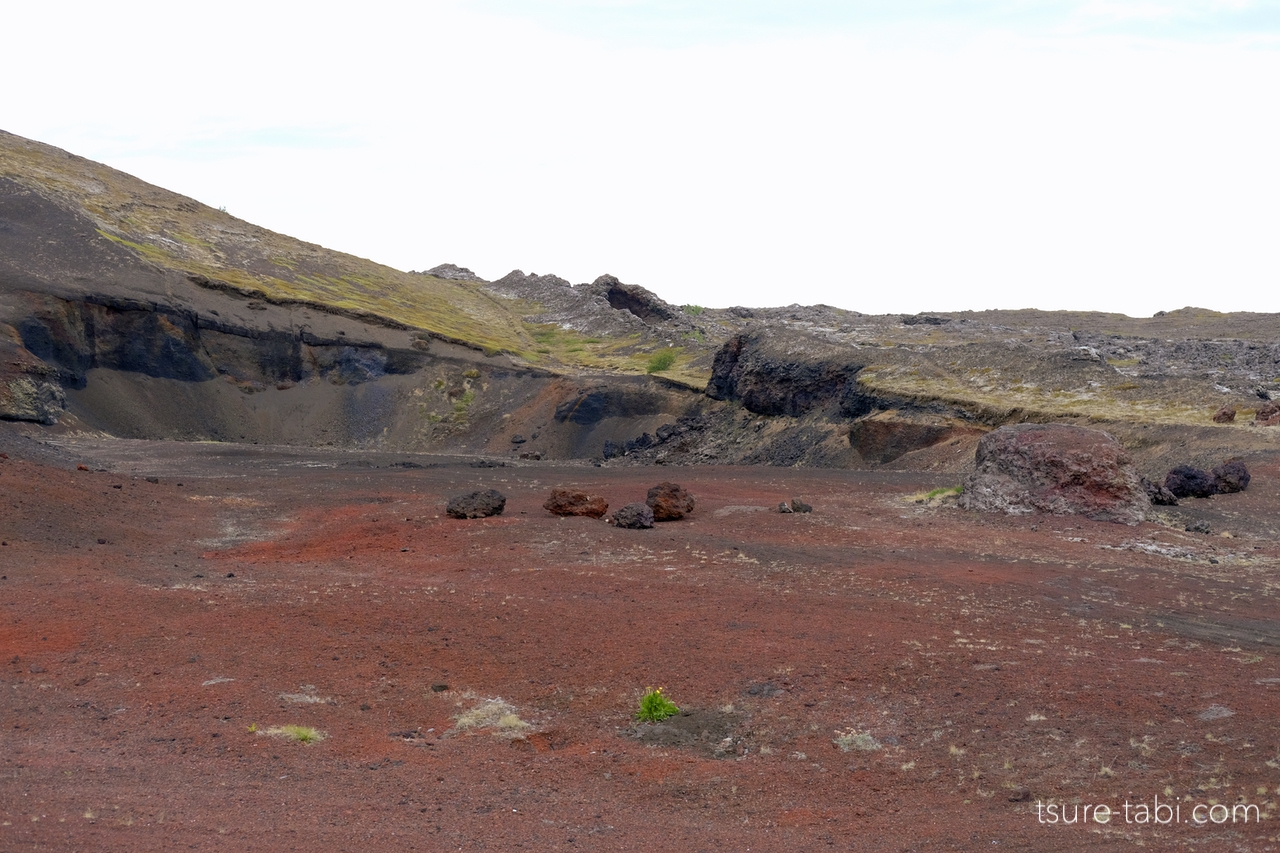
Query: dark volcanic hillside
[[132, 311]]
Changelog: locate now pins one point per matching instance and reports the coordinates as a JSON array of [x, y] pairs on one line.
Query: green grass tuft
[[654, 707]]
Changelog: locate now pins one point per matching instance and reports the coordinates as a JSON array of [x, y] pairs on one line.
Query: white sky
[[882, 156]]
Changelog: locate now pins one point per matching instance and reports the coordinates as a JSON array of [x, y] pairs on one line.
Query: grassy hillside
[[179, 233]]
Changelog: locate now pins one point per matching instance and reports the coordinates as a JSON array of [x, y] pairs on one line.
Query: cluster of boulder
[[1266, 415], [1187, 481], [1068, 470], [664, 502]]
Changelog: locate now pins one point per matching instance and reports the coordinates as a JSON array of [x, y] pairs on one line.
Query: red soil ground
[[894, 675]]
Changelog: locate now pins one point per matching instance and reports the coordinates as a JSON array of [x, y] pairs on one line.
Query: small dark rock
[[611, 450], [570, 502], [1199, 527], [535, 455], [153, 480], [481, 504], [1231, 476], [518, 439], [635, 516], [785, 507], [924, 319], [669, 502], [1186, 481], [102, 542], [1159, 495], [439, 688], [1019, 795], [798, 505]]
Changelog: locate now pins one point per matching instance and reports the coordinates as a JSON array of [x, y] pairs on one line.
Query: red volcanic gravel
[[879, 674]]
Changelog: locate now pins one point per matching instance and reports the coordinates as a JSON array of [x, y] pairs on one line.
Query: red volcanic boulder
[[1225, 415], [570, 502], [1054, 468], [669, 502], [1231, 476], [1268, 415]]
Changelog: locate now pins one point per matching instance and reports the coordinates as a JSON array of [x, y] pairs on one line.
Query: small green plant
[[692, 310], [461, 404], [471, 373], [661, 360], [654, 707]]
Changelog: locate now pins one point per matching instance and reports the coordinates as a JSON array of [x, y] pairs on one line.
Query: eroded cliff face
[[77, 336]]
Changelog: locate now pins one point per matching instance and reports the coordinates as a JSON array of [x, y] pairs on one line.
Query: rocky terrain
[[303, 552], [126, 310]]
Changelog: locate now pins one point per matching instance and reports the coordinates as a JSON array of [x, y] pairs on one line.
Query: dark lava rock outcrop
[[769, 378], [669, 502], [478, 504], [1057, 469], [574, 502]]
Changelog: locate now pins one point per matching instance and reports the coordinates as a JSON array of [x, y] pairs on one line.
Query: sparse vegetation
[[853, 739], [936, 494], [655, 707], [662, 360], [692, 310], [297, 734], [495, 714]]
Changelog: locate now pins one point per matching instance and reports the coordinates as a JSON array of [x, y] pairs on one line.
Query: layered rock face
[[1057, 469]]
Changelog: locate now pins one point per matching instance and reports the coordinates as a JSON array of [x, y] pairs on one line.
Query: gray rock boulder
[[481, 504], [635, 516]]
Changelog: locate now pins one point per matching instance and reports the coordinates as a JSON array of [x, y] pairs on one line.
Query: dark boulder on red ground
[[481, 504], [1188, 481], [1231, 476], [635, 516]]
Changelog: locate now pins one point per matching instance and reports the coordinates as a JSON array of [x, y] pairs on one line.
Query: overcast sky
[[881, 156]]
